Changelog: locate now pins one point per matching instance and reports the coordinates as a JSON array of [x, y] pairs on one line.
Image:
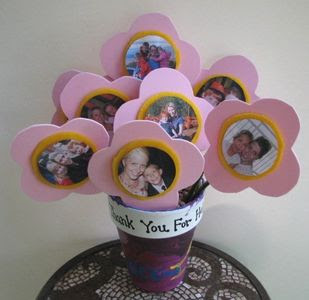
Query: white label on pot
[[156, 224]]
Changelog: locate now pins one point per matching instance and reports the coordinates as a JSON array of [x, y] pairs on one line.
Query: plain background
[[42, 39]]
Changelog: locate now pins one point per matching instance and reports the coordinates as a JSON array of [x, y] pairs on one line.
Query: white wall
[[41, 39]]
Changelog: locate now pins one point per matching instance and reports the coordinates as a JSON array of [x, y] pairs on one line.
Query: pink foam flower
[[113, 51], [104, 165], [160, 88], [86, 86], [277, 170], [40, 139], [240, 73]]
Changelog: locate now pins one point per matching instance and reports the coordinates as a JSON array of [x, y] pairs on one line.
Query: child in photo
[[166, 125], [143, 67], [59, 173], [109, 112], [156, 182], [232, 151]]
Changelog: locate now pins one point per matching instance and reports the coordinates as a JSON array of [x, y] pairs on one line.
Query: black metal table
[[101, 273]]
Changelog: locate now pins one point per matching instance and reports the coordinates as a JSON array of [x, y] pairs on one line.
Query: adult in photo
[[176, 120], [255, 150], [232, 150], [132, 174], [96, 114]]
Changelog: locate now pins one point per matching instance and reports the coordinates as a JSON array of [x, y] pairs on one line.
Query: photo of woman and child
[[252, 150], [219, 89], [102, 108], [175, 116], [149, 53], [65, 162], [146, 171]]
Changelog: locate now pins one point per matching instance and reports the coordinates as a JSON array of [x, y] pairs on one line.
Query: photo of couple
[[219, 89], [149, 53], [175, 116], [65, 162], [146, 171], [250, 147], [102, 108]]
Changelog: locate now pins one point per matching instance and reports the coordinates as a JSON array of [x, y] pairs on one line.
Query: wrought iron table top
[[101, 273]]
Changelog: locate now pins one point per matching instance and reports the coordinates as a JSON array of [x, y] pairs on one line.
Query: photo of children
[[65, 162], [250, 147], [219, 89], [175, 116], [102, 108], [149, 53], [146, 171]]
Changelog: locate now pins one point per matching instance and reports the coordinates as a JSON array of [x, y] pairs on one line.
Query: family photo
[[102, 108], [146, 171], [250, 147], [219, 89], [149, 53], [65, 162], [175, 116]]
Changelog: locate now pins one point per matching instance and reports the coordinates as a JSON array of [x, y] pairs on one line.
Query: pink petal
[[88, 188], [100, 171], [282, 180], [141, 129], [192, 163], [219, 177], [204, 108], [166, 80], [191, 64], [91, 129], [40, 191], [127, 112], [27, 139], [283, 114], [112, 54], [154, 21], [59, 118], [60, 83], [127, 85]]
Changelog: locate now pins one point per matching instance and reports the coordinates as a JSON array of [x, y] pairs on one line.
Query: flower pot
[[156, 244]]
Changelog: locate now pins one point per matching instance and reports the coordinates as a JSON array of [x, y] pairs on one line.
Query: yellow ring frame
[[263, 119], [99, 92], [145, 143], [199, 85], [51, 140], [150, 101], [142, 34]]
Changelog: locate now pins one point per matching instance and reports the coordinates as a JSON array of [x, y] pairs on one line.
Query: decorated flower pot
[[156, 244]]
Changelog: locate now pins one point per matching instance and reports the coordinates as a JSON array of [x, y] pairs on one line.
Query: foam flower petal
[[101, 170], [27, 141], [60, 83], [162, 83], [270, 115], [113, 50]]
